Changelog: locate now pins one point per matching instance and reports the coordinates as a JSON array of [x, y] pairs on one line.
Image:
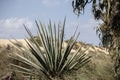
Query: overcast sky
[[15, 13]]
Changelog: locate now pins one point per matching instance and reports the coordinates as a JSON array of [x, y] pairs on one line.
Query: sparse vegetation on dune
[[100, 67]]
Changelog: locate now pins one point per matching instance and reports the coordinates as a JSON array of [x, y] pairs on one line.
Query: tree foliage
[[109, 12]]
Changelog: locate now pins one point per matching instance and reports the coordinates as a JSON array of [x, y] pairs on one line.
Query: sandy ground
[[6, 41]]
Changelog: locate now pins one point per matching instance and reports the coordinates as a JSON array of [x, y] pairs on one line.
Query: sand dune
[[6, 41]]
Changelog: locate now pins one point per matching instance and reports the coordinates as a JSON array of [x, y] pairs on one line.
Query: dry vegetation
[[100, 67]]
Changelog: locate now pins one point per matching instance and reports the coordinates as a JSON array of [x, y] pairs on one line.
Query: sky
[[15, 13]]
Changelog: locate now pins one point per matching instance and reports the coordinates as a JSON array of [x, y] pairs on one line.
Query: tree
[[109, 31], [109, 12]]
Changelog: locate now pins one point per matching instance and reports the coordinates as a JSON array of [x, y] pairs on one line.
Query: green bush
[[54, 61]]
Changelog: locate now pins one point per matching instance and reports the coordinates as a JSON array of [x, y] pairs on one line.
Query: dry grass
[[100, 67], [3, 61]]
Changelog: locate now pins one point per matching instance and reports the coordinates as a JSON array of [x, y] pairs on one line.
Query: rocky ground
[[99, 68]]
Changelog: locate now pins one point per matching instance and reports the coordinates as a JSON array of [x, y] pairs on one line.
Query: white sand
[[6, 42]]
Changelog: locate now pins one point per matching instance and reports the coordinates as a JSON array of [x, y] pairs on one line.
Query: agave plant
[[53, 60]]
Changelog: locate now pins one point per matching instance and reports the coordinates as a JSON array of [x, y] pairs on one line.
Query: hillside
[[100, 67]]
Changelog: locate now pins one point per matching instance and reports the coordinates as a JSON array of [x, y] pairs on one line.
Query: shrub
[[54, 61]]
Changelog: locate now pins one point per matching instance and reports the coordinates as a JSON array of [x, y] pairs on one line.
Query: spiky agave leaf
[[54, 60]]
